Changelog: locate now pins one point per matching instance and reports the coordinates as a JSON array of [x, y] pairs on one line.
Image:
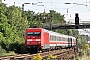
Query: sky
[[82, 7], [58, 6]]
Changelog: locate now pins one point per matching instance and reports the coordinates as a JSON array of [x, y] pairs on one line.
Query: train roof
[[53, 33], [34, 28], [58, 34]]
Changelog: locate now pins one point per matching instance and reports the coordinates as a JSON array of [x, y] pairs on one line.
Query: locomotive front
[[33, 40]]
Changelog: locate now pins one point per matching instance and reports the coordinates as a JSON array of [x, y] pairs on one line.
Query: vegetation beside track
[[10, 53], [39, 57], [2, 51], [84, 52]]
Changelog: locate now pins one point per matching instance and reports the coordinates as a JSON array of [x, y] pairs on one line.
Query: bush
[[81, 53], [85, 46], [87, 51], [38, 57], [9, 53], [17, 48], [84, 52], [50, 57], [2, 51]]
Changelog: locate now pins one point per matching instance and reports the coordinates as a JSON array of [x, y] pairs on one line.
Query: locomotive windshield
[[34, 33]]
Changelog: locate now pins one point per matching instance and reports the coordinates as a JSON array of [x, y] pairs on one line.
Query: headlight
[[39, 42], [28, 42]]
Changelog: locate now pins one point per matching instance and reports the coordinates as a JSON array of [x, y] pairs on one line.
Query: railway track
[[61, 54]]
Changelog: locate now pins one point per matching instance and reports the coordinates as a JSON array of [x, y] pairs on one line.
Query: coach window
[[37, 33], [74, 40], [64, 38], [67, 38], [30, 33], [50, 37], [59, 39], [55, 38]]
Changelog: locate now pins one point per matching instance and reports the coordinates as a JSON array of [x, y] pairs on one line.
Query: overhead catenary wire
[[54, 6]]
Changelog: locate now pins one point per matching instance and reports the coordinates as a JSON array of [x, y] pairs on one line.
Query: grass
[[10, 53], [84, 57]]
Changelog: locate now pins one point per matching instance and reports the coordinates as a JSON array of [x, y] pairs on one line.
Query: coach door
[[69, 42]]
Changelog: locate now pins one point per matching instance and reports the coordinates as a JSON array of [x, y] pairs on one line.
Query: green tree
[[18, 25], [4, 26], [12, 26], [2, 51], [56, 17], [16, 20], [34, 19], [0, 1]]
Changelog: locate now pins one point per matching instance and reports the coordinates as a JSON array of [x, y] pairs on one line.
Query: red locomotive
[[39, 39]]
